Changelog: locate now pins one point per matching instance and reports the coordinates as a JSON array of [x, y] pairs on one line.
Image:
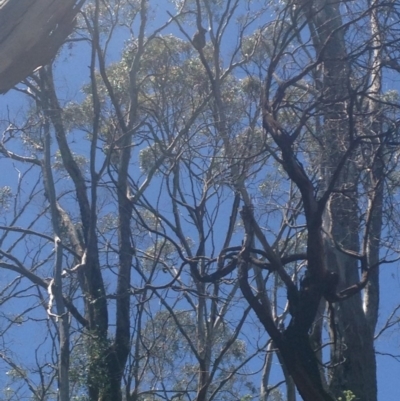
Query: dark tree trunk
[[354, 355]]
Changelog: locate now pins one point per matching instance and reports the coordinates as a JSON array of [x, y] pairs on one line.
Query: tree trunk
[[353, 355], [55, 288]]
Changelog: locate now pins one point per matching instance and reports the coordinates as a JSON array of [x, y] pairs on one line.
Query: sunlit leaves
[[149, 156], [165, 345], [59, 165], [5, 197]]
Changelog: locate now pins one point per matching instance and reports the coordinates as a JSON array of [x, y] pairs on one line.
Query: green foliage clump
[[5, 197], [347, 396]]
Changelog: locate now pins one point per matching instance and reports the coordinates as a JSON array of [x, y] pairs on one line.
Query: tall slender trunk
[[353, 355], [55, 286]]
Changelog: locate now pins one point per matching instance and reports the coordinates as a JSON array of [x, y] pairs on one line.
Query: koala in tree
[[199, 39]]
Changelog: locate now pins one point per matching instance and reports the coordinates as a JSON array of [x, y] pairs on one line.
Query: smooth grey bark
[[264, 390], [353, 355], [55, 285], [375, 182]]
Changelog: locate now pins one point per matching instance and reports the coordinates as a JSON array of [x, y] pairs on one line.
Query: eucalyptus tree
[[328, 117], [200, 206], [99, 166]]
